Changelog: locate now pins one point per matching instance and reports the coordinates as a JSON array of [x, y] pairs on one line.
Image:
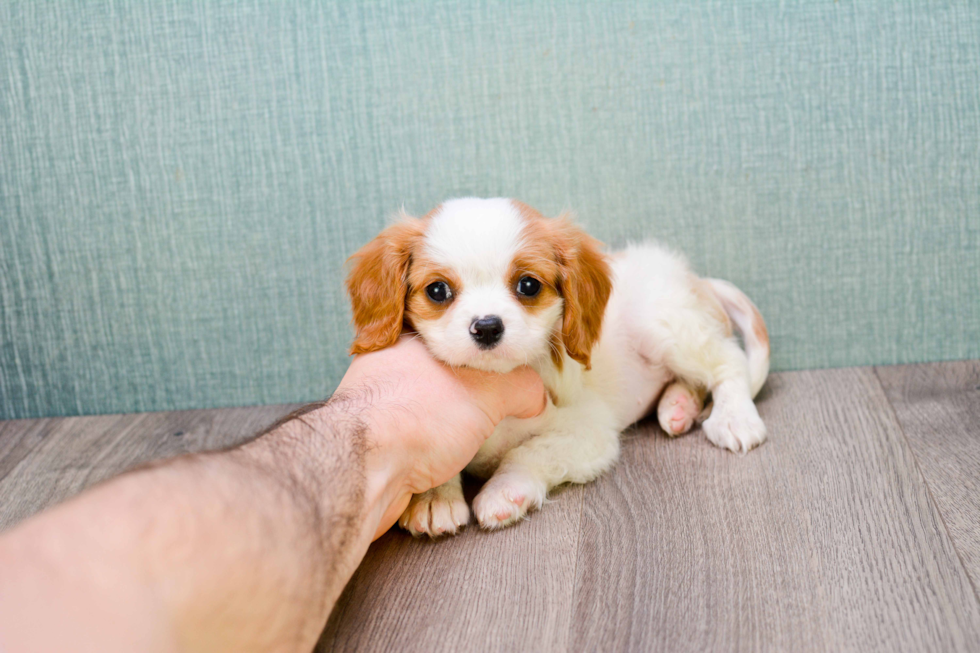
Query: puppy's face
[[487, 283]]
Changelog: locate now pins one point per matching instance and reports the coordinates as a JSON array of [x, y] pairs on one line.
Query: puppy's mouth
[[492, 361], [497, 359], [486, 347], [492, 352]]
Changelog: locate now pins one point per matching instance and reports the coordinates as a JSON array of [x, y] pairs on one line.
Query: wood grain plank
[[76, 452], [509, 590], [938, 406], [17, 438], [823, 539]]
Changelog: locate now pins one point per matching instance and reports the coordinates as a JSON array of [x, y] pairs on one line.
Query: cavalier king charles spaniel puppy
[[492, 284]]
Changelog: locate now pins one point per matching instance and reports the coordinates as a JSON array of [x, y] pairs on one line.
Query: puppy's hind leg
[[679, 406], [702, 353], [577, 443]]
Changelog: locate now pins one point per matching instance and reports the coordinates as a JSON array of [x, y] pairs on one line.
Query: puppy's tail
[[750, 324]]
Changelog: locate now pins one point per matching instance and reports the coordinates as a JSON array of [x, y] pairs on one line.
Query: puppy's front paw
[[439, 511], [506, 498], [737, 427]]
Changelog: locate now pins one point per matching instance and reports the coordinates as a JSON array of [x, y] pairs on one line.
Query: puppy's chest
[[623, 381]]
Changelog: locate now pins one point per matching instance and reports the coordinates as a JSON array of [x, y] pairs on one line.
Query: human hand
[[425, 420], [247, 549]]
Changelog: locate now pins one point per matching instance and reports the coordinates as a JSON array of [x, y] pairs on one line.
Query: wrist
[[366, 420]]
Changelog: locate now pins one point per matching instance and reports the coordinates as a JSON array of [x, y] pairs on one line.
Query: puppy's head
[[487, 283]]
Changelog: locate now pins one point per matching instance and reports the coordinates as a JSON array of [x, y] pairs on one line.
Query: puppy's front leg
[[576, 444], [439, 511]]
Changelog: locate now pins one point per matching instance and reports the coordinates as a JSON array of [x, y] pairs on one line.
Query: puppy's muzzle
[[487, 331]]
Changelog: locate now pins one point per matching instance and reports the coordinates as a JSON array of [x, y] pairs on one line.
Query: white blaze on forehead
[[477, 238]]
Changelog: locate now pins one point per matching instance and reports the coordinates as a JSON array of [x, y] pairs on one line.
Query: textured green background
[[180, 182]]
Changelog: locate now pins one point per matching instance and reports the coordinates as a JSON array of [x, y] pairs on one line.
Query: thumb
[[519, 393]]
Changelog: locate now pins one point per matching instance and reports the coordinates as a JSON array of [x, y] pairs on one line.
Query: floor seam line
[[925, 482]]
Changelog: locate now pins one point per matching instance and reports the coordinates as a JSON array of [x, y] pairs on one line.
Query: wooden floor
[[855, 527]]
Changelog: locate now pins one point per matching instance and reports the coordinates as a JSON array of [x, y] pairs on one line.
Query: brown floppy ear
[[378, 283], [585, 285]]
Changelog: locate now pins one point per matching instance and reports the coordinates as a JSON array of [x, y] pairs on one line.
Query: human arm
[[248, 549]]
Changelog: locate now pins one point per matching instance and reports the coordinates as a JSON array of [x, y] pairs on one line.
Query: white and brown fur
[[612, 336]]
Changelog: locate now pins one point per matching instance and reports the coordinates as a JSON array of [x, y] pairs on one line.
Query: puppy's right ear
[[378, 285]]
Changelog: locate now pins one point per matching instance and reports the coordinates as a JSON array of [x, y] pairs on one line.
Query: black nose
[[487, 331]]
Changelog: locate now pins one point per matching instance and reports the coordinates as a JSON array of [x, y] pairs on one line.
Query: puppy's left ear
[[378, 283], [586, 283]]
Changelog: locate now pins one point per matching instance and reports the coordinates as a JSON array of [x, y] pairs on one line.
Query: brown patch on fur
[[557, 351], [759, 325], [428, 216], [581, 276], [422, 273], [378, 283], [545, 270], [528, 213], [706, 297]]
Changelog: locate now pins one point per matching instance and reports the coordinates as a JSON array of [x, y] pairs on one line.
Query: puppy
[[492, 284]]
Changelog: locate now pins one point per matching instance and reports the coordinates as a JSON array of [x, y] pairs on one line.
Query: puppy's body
[[664, 334], [627, 372]]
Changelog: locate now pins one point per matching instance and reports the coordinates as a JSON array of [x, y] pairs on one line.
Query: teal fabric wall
[[181, 181]]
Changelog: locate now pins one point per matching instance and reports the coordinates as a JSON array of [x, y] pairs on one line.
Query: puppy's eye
[[439, 292], [528, 286]]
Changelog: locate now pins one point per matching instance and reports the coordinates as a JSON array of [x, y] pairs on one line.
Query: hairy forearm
[[245, 549]]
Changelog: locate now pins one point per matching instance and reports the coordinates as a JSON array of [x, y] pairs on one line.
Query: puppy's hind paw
[[439, 511], [678, 408], [737, 427], [507, 498]]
